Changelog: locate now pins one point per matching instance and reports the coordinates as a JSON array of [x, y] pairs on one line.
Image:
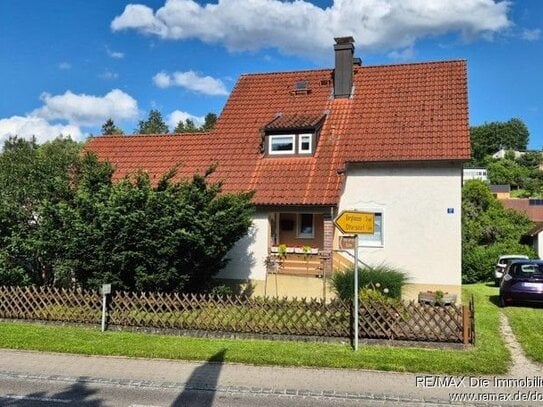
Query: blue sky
[[68, 65]]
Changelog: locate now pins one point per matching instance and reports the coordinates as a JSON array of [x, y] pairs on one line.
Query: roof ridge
[[390, 65], [287, 72], [401, 64], [139, 135]]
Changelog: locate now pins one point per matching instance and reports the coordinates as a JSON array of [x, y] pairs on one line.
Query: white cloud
[[109, 75], [28, 126], [176, 116], [531, 35], [300, 27], [87, 110], [402, 55], [64, 66], [162, 80], [114, 54], [192, 81]]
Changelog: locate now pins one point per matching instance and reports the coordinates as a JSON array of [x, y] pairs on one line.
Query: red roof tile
[[534, 212], [410, 112], [295, 121]]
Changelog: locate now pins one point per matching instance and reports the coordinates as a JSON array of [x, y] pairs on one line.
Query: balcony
[[296, 262]]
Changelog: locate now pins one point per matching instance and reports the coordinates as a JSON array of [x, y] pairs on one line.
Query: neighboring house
[[517, 154], [503, 152], [502, 191], [533, 207], [384, 139], [534, 237], [474, 173]]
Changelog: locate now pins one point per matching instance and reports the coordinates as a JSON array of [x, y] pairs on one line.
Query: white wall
[[248, 255], [538, 244], [419, 234]]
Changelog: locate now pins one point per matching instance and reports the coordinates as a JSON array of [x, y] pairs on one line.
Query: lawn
[[489, 356], [527, 325]]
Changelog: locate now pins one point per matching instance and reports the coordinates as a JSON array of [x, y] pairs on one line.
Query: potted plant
[[437, 297]]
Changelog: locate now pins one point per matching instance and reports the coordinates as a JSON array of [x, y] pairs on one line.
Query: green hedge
[[387, 279]]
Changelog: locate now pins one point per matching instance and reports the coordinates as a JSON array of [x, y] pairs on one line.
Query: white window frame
[[301, 235], [310, 149], [277, 136], [377, 239]]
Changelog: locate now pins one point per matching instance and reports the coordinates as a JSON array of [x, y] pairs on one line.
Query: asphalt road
[[28, 392]]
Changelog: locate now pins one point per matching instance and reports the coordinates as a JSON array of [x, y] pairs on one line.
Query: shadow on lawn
[[201, 386]]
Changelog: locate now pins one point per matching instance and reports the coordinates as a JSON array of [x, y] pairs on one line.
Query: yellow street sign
[[355, 222]]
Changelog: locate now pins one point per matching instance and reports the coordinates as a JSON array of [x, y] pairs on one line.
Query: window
[[283, 144], [375, 239], [290, 144], [306, 228], [304, 143]]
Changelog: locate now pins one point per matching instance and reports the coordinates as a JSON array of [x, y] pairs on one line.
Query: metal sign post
[[355, 222], [355, 299], [106, 289]]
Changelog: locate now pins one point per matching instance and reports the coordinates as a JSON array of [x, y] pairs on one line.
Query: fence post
[[465, 324], [106, 289]]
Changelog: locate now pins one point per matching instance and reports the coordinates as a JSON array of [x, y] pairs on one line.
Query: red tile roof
[[295, 121], [410, 112], [534, 212]]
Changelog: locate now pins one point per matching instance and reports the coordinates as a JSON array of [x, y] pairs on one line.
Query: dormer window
[[293, 134], [290, 143], [281, 144], [305, 143]]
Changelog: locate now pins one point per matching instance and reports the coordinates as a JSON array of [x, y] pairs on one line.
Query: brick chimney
[[343, 72]]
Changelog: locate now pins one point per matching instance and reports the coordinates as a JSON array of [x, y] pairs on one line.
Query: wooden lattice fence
[[50, 304], [231, 314], [411, 321], [393, 320]]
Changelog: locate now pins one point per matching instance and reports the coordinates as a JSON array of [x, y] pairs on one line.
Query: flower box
[[436, 298]]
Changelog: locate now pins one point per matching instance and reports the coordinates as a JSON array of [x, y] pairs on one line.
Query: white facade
[[475, 173], [247, 257], [421, 218]]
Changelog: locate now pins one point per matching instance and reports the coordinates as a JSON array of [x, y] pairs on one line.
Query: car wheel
[[501, 302]]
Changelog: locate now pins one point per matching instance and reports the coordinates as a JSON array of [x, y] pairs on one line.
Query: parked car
[[502, 263], [522, 282]]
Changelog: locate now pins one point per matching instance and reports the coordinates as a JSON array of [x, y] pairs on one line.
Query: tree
[[109, 128], [32, 178], [507, 172], [489, 138], [488, 230], [531, 160], [63, 221], [153, 125], [186, 126], [169, 237], [209, 122]]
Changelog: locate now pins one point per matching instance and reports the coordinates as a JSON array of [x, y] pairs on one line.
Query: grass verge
[[527, 325], [489, 356]]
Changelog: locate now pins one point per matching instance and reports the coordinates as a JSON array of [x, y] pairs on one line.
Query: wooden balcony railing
[[308, 265]]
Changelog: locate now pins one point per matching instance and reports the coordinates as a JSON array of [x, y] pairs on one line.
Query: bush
[[386, 277], [479, 261]]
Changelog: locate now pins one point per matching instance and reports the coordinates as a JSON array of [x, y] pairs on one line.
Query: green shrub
[[479, 261], [389, 280], [222, 289]]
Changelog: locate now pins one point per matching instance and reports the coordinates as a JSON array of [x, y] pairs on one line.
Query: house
[[501, 191], [390, 140], [474, 173], [534, 237], [532, 207], [503, 153]]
